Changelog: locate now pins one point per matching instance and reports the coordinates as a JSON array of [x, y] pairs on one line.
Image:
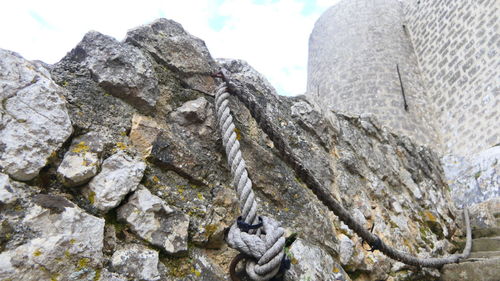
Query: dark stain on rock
[[55, 203]]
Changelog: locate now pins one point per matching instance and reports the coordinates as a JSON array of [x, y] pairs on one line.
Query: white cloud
[[272, 35]]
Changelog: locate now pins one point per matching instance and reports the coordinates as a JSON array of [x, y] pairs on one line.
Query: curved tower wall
[[458, 45], [353, 52]]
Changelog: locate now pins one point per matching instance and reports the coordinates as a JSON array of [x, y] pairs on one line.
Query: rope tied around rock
[[258, 112], [260, 238]]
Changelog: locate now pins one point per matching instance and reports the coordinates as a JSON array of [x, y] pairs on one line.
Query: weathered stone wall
[[353, 52], [457, 45]]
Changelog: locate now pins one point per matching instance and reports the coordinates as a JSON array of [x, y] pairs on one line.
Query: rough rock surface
[[184, 54], [382, 179], [156, 222], [7, 193], [143, 133], [34, 121], [120, 175], [313, 263], [136, 262], [474, 179], [119, 68], [63, 242], [82, 160]]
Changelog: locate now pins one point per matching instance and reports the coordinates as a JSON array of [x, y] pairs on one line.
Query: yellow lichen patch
[[210, 229], [82, 263], [97, 275], [195, 272], [200, 196], [72, 241], [54, 276], [80, 147], [156, 180], [238, 133], [335, 269], [37, 253], [180, 190], [92, 197], [67, 254], [286, 209], [178, 267], [121, 145], [430, 216], [124, 133]]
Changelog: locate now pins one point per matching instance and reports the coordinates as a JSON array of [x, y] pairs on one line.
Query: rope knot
[[265, 249]]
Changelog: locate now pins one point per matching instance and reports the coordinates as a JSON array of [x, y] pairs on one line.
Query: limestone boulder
[[184, 54], [64, 243], [473, 179], [310, 262], [122, 70], [143, 133], [136, 262], [120, 175], [194, 111], [82, 160], [8, 194], [34, 121], [156, 222]]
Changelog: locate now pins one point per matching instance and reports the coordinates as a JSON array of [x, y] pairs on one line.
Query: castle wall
[[353, 52], [457, 45]]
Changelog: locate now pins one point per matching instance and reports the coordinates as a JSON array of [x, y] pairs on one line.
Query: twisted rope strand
[[265, 245], [257, 110]]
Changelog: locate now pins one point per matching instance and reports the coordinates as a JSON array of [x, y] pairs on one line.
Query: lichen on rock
[[120, 175], [34, 121]]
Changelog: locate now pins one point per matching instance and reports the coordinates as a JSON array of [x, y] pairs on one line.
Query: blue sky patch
[[40, 20], [216, 23]]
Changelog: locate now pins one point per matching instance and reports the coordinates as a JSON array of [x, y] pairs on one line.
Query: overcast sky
[[272, 35]]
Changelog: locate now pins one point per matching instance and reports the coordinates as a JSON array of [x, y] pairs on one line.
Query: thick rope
[[264, 246], [257, 110]]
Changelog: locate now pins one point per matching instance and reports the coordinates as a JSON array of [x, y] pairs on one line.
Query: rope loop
[[265, 249]]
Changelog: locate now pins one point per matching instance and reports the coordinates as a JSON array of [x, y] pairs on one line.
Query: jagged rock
[[144, 132], [346, 249], [473, 179], [34, 121], [194, 111], [65, 242], [312, 263], [121, 69], [210, 230], [137, 262], [156, 222], [199, 266], [482, 214], [120, 175], [244, 72], [82, 161], [170, 45], [7, 193]]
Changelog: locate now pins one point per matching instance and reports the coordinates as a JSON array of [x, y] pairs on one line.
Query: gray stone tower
[[447, 53], [354, 51]]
